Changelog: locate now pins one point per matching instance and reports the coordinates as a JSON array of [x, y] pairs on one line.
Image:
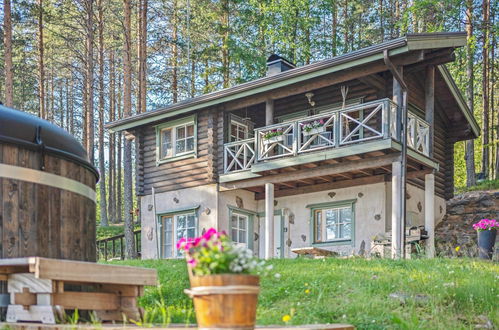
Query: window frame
[[250, 224], [174, 214], [173, 125], [333, 205], [238, 124]]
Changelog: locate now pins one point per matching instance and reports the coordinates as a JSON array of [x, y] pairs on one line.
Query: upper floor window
[[238, 131], [239, 128], [176, 139]]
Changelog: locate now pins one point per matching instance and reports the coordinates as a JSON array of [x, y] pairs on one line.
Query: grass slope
[[431, 294]]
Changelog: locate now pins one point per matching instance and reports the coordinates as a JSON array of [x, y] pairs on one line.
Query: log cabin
[[322, 157]]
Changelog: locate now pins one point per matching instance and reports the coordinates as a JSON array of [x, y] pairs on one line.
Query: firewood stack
[[414, 236]]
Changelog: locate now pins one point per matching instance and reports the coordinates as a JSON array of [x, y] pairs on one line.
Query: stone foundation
[[454, 235]]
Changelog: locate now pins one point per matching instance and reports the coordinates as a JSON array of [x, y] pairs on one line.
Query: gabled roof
[[363, 56]]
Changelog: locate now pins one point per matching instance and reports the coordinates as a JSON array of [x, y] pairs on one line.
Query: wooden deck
[[40, 288]]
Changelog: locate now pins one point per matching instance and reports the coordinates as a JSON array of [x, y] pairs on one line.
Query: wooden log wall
[[443, 144], [183, 173], [38, 220], [213, 126]]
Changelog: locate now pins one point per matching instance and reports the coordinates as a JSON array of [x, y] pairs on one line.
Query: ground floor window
[[173, 228], [239, 228], [333, 222]]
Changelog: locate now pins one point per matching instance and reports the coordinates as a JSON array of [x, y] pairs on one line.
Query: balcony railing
[[418, 134], [239, 155], [330, 129]]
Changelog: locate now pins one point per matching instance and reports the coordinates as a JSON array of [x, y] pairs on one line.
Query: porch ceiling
[[349, 171]]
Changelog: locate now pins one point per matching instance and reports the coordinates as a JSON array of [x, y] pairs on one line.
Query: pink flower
[[486, 224], [209, 233], [192, 262]]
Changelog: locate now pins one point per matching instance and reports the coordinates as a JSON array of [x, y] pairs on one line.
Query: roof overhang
[[465, 110], [360, 57]]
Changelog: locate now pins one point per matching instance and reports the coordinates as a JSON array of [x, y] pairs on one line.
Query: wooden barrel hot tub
[[47, 191]]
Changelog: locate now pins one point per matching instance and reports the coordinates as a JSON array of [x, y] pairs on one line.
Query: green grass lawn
[[430, 294]]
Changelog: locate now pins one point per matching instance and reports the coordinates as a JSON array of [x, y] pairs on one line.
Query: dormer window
[[176, 139]]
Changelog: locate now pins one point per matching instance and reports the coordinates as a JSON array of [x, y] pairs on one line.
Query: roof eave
[[363, 56], [475, 128]]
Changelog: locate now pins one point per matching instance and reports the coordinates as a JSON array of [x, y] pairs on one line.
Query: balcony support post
[[269, 220], [397, 209], [269, 112], [429, 90], [399, 174], [429, 213]]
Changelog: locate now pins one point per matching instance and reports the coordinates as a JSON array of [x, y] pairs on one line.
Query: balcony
[[328, 130]]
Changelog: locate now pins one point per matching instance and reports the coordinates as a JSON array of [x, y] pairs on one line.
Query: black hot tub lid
[[22, 128]]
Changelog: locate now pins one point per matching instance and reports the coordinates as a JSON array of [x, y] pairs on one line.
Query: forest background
[[82, 63]]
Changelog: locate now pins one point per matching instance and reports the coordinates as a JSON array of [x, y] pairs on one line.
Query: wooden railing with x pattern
[[328, 129]]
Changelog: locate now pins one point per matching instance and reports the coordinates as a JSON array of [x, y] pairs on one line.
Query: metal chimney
[[277, 64]]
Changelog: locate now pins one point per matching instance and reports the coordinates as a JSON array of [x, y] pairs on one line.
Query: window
[[176, 139], [333, 222], [239, 228], [173, 228], [238, 131]]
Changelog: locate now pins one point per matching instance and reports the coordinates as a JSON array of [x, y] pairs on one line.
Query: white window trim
[[174, 217], [238, 123], [335, 205], [186, 121], [238, 229]]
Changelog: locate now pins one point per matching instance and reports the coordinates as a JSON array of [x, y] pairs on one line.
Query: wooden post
[[397, 209], [429, 213], [397, 99], [269, 220], [429, 89], [269, 112]]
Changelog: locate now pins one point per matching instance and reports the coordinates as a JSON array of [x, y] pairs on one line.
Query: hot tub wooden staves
[[47, 191]]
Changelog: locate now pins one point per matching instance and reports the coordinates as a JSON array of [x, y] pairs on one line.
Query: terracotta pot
[[486, 242], [225, 301]]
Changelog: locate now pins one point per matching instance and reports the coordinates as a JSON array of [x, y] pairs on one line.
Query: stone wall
[[454, 235]]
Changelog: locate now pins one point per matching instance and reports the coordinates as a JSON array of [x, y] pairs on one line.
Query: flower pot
[[486, 242], [273, 139], [313, 131], [225, 301]]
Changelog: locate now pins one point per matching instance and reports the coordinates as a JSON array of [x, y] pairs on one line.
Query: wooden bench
[[41, 289], [314, 252]]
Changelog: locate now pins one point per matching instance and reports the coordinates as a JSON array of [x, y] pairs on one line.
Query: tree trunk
[[142, 56], [41, 68], [334, 27], [485, 88], [345, 28], [89, 9], [119, 161], [71, 108], [127, 111], [225, 43], [381, 21], [102, 166], [7, 43], [112, 141], [470, 145], [492, 93], [175, 52]]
